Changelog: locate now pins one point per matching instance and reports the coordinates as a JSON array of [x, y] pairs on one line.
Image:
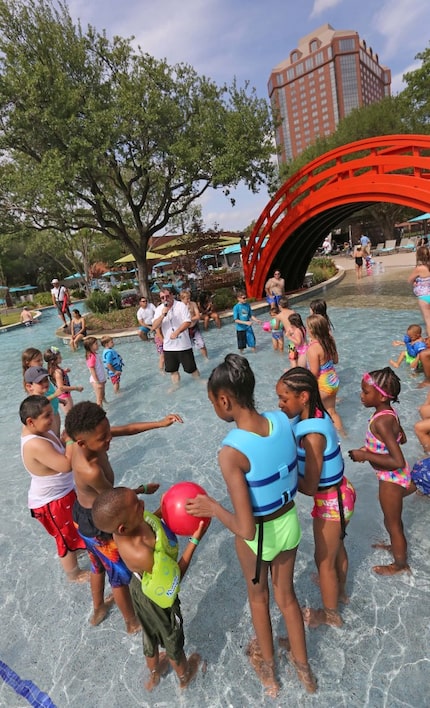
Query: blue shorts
[[245, 337], [424, 298], [144, 329]]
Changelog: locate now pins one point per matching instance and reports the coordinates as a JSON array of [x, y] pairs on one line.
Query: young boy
[[150, 551], [86, 423], [37, 383], [414, 345], [243, 318], [112, 361], [51, 495]]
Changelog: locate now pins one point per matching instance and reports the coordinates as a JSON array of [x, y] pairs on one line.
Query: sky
[[246, 39]]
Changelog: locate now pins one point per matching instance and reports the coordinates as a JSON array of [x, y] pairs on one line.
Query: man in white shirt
[[145, 315], [174, 319], [60, 299]]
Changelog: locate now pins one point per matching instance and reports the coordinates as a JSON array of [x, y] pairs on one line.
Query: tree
[[416, 95], [95, 135]]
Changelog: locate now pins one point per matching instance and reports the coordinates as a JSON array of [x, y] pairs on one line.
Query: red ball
[[173, 508]]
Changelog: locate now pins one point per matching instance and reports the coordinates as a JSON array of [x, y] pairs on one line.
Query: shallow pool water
[[379, 658]]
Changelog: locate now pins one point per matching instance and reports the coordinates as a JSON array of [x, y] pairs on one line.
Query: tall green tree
[[97, 136], [417, 93]]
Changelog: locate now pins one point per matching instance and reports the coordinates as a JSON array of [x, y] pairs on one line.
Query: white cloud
[[321, 6], [397, 83], [404, 24]]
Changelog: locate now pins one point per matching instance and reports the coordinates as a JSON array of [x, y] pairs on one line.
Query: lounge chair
[[406, 245], [390, 247], [378, 249]]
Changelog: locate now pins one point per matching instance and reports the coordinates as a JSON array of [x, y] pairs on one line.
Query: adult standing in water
[[275, 288], [420, 277]]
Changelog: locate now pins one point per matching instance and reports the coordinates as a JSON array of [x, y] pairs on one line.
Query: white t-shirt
[[146, 314], [58, 293], [177, 315]]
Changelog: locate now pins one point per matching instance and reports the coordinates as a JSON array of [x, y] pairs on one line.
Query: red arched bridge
[[389, 168]]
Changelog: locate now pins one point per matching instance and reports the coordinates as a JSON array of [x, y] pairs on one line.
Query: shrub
[[79, 294], [224, 299], [98, 302], [322, 268], [42, 299], [115, 299]]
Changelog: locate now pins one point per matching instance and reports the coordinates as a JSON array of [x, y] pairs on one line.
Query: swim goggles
[[367, 378]]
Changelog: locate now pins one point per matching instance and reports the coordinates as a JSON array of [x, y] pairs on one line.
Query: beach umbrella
[[422, 217], [161, 264], [174, 254], [129, 258]]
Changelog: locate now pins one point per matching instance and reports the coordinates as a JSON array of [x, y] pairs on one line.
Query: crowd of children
[[265, 461]]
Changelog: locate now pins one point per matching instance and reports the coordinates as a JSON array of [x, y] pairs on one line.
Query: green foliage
[[43, 299], [79, 294], [416, 96], [103, 138], [322, 269], [224, 299], [115, 299], [98, 302]]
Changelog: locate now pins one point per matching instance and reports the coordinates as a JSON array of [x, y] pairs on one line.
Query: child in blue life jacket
[[112, 362], [414, 344], [320, 469], [150, 550]]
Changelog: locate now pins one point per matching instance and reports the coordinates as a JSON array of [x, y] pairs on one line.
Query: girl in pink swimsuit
[[379, 389]]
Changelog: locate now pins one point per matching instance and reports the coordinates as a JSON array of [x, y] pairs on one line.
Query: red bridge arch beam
[[389, 168]]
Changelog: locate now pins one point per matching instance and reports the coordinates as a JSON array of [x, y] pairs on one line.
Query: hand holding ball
[[173, 508], [266, 326]]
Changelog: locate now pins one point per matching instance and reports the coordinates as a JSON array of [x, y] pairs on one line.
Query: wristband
[[194, 540], [145, 489], [69, 442]]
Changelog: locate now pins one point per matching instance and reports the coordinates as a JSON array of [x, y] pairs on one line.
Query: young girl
[[321, 476], [297, 335], [78, 330], [60, 377], [97, 370], [258, 463], [319, 307], [34, 357], [321, 357], [379, 389], [277, 329]]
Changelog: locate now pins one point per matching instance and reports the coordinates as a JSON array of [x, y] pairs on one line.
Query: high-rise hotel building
[[328, 75]]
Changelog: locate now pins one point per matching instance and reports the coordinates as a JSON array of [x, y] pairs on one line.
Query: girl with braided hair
[[379, 389], [258, 464], [320, 466]]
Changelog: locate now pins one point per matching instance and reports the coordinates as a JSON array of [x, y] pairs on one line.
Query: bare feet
[[304, 671], [394, 363], [133, 626], [265, 670], [101, 612], [391, 569], [156, 674], [382, 546], [193, 666], [314, 618], [78, 576]]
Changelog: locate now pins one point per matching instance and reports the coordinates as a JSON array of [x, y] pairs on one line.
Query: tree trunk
[[142, 276]]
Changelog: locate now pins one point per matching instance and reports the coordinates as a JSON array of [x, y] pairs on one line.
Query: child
[[277, 329], [112, 361], [78, 329], [284, 311], [148, 548], [243, 318], [414, 345], [320, 476], [379, 389], [51, 494], [321, 356], [39, 383], [87, 425], [264, 518], [158, 341], [194, 331], [95, 365], [422, 427], [60, 377], [319, 307], [297, 336]]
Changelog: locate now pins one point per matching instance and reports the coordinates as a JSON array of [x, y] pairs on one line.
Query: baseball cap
[[35, 374], [55, 280]]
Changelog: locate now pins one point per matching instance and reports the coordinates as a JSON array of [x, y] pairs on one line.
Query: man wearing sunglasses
[[145, 315], [173, 317]]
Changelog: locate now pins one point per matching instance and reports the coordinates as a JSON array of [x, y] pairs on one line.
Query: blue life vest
[[413, 348], [333, 464], [110, 356], [272, 478]]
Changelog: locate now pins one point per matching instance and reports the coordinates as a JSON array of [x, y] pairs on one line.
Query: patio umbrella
[[422, 217], [161, 264], [129, 258], [174, 254]]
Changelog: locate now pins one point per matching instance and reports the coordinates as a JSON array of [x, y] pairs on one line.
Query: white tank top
[[46, 488]]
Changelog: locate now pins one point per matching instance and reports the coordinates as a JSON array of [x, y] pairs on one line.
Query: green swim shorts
[[281, 534]]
